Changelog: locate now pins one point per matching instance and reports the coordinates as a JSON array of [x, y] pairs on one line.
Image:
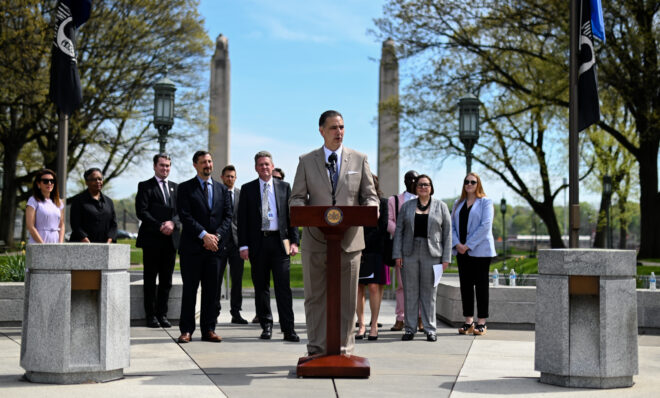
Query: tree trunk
[[649, 200], [9, 194], [547, 214], [600, 240]]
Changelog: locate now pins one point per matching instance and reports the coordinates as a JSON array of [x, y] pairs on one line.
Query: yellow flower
[[23, 251]]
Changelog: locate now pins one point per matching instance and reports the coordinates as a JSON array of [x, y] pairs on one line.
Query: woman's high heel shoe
[[372, 338]]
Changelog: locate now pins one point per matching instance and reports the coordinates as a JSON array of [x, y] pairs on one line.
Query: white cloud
[[316, 21]]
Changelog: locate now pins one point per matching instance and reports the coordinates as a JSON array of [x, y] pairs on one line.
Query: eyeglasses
[[424, 185], [470, 182], [47, 181]]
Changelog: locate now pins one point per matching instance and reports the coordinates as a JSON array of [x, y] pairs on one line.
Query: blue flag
[[597, 24], [65, 89]]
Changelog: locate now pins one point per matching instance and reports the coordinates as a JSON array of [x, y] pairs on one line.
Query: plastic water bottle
[[512, 278], [496, 278], [652, 281]]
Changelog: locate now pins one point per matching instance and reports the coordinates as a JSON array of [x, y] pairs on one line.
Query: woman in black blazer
[[93, 217]]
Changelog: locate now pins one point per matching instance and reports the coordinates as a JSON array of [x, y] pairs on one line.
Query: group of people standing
[[213, 224]]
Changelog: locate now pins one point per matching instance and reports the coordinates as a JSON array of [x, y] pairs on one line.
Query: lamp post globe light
[[607, 191], [503, 210], [163, 109], [468, 125]]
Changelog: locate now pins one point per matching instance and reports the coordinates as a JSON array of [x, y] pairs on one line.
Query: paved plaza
[[498, 364]]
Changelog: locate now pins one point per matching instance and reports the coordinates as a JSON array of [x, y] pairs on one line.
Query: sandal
[[480, 330], [467, 328]]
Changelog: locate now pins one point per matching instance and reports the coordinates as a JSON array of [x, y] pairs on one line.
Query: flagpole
[[573, 137], [62, 148]]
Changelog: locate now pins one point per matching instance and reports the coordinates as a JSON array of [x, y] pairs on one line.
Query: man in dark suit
[[155, 206], [267, 239], [204, 207], [230, 252]]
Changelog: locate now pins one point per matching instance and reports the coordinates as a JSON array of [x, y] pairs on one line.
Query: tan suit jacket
[[355, 187]]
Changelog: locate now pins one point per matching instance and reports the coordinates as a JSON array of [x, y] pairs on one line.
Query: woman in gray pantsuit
[[422, 239]]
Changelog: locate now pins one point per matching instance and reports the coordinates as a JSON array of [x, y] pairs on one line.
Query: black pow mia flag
[[588, 109], [65, 90]]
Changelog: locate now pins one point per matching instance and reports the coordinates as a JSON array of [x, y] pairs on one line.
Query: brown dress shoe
[[398, 326], [211, 336], [184, 338], [420, 325]]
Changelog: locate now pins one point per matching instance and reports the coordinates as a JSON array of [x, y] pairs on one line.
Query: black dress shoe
[[238, 319], [255, 319], [292, 337], [267, 332], [152, 322], [164, 322], [407, 336], [360, 336]]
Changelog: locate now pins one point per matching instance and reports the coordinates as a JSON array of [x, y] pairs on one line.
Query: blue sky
[[290, 61]]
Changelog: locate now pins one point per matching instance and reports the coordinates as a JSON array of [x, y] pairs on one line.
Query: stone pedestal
[[76, 319], [586, 318]]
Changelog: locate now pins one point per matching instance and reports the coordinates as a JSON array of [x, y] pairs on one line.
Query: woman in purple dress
[[44, 213]]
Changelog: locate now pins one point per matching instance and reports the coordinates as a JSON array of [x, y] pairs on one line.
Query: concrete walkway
[[500, 363]]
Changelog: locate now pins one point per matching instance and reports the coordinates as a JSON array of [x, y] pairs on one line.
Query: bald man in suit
[[347, 171]]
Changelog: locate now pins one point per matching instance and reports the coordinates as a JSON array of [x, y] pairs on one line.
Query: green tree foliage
[[122, 50], [513, 54], [613, 160]]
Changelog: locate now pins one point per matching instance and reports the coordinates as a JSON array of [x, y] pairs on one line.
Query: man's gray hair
[[262, 154]]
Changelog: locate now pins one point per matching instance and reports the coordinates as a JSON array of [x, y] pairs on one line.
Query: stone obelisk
[[388, 120], [219, 106]]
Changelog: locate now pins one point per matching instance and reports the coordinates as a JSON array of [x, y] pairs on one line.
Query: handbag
[[389, 242]]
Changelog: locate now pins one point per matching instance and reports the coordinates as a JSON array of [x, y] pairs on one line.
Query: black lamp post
[[607, 191], [503, 210], [163, 109], [468, 125]]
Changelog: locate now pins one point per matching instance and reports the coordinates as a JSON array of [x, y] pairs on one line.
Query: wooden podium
[[333, 221]]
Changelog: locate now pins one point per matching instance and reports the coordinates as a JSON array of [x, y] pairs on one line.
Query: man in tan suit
[[317, 173]]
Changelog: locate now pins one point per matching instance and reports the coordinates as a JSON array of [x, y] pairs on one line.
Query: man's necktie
[[265, 208], [334, 175], [166, 192], [206, 194]]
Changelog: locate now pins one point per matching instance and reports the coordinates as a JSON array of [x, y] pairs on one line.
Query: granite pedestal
[[586, 318], [76, 319]]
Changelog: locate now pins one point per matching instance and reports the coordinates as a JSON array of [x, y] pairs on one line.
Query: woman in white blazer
[[422, 238], [474, 247]]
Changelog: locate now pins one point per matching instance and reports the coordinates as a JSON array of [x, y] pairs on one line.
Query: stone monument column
[[388, 120], [219, 106]]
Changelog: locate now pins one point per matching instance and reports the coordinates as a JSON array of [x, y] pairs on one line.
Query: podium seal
[[333, 216]]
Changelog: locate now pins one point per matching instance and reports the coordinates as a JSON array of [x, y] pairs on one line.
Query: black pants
[[195, 269], [232, 256], [158, 262], [271, 257], [473, 275]]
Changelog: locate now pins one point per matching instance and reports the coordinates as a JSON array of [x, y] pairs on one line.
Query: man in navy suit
[[155, 206], [205, 210], [267, 239]]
